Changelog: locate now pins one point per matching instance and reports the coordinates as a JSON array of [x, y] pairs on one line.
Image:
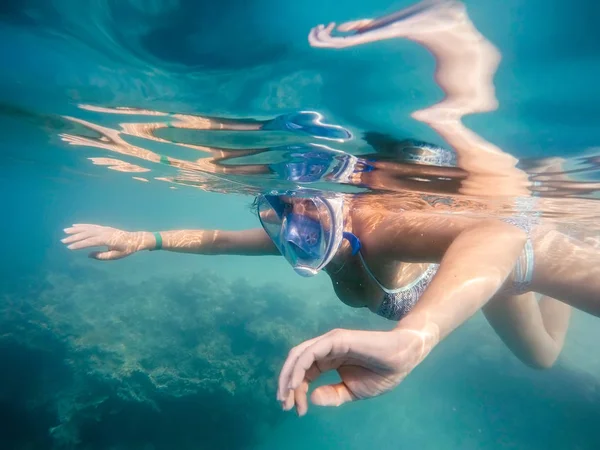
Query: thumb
[[332, 395], [106, 256]]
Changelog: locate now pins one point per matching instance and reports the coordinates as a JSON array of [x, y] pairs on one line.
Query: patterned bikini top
[[397, 303]]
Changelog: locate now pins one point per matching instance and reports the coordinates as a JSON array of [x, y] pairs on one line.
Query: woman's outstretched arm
[[119, 243]]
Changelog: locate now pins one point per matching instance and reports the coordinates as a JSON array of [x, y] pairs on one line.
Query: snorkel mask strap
[[354, 242]]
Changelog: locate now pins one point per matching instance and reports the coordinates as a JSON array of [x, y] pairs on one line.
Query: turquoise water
[[172, 351]]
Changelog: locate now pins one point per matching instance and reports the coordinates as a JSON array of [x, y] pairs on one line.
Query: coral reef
[[164, 363]]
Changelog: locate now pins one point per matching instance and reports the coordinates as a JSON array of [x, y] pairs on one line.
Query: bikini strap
[[355, 245]]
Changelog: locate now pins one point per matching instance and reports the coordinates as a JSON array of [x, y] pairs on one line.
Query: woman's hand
[[320, 36], [369, 364], [422, 18], [119, 243]]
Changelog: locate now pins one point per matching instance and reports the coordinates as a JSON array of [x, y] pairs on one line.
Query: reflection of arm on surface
[[113, 141], [551, 179], [195, 122], [466, 63]]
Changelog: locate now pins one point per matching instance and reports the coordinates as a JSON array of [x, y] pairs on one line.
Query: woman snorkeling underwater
[[458, 265], [427, 270]]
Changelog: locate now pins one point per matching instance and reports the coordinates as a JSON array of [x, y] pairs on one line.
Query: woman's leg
[[534, 332], [568, 269]]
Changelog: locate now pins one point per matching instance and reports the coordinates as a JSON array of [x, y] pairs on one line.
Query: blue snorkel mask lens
[[305, 234], [303, 229]]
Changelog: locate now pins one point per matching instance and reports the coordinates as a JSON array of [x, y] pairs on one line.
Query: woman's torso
[[354, 284], [359, 280]]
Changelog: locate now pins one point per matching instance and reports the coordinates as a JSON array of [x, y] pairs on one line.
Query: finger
[[329, 363], [319, 350], [286, 370], [294, 354], [313, 36], [320, 36], [301, 399], [315, 29], [79, 228], [77, 237], [95, 241], [107, 256], [75, 229], [288, 403], [323, 35], [301, 394], [332, 395], [87, 225]]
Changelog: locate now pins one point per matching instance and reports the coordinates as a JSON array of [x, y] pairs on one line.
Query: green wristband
[[158, 238]]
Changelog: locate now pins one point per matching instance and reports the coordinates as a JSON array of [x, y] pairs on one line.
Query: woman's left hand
[[369, 364]]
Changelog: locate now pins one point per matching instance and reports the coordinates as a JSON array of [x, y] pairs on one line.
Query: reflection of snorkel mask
[[307, 230], [316, 163]]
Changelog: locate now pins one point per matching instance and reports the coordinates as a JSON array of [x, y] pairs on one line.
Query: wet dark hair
[[411, 151], [254, 206], [389, 145]]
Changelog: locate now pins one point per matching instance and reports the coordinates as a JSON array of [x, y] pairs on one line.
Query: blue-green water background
[[252, 59]]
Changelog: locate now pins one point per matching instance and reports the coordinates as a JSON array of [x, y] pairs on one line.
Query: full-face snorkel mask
[[307, 230]]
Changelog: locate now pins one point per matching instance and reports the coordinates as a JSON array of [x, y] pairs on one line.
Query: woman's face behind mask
[[302, 230]]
